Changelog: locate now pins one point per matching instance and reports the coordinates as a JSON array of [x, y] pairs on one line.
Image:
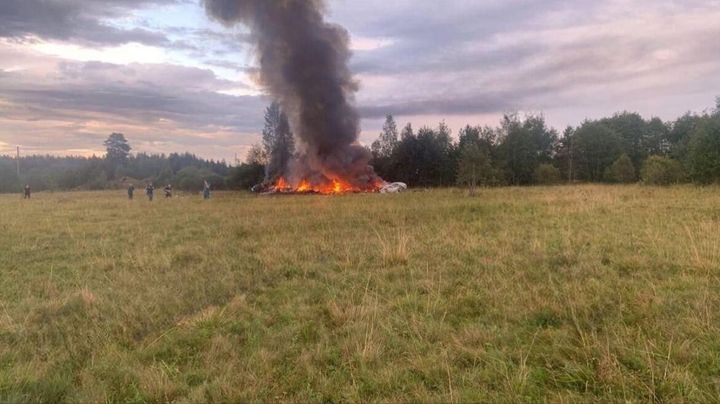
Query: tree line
[[624, 148], [521, 150], [118, 168]]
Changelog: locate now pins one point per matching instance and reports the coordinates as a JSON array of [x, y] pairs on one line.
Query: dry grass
[[583, 293]]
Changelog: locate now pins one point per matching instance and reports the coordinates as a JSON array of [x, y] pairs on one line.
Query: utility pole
[[18, 162]]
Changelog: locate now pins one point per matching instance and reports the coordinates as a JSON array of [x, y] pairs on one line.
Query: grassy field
[[578, 293]]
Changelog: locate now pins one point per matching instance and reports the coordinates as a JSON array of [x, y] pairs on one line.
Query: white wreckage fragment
[[393, 188]]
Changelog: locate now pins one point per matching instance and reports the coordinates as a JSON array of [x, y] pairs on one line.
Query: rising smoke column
[[304, 66]]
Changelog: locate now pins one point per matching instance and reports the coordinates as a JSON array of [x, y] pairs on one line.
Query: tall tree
[[118, 152], [407, 132], [595, 148], [703, 157], [469, 135], [256, 156], [524, 145], [474, 167], [564, 154], [679, 135], [657, 137], [425, 159], [118, 148], [384, 146], [278, 142], [449, 155], [639, 138]]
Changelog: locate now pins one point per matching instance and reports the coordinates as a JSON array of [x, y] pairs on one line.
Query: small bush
[[547, 174], [658, 170], [245, 176], [622, 170]]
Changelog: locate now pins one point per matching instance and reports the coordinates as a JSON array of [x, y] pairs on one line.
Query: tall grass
[[578, 293]]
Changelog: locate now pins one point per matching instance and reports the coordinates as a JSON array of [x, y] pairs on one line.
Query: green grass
[[578, 293]]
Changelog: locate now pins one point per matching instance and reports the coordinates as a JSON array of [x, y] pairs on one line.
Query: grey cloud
[[462, 59], [197, 40], [138, 93], [477, 102], [180, 78], [443, 36], [75, 20]]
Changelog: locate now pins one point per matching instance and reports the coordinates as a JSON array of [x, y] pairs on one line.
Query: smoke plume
[[304, 66]]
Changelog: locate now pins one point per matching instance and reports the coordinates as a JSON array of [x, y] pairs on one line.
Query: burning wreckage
[[304, 66], [281, 186]]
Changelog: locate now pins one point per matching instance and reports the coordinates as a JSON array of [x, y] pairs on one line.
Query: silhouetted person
[[27, 191], [150, 191], [168, 191], [206, 190], [131, 191]]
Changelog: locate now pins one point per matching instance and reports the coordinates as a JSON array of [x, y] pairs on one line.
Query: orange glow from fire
[[304, 186], [282, 184], [336, 186]]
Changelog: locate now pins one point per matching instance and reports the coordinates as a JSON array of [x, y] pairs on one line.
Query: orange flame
[[282, 184], [304, 186], [336, 186]]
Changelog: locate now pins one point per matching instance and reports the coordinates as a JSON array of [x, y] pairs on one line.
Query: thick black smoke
[[304, 65]]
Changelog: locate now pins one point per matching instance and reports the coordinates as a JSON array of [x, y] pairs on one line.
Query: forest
[[519, 151], [118, 168], [523, 150]]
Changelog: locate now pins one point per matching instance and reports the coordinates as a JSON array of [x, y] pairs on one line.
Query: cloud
[[86, 22], [490, 57], [142, 92], [51, 105]]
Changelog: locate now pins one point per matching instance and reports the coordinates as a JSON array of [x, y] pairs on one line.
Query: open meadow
[[570, 293]]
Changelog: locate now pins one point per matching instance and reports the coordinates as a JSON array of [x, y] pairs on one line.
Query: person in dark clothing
[[27, 191], [168, 191], [131, 192], [150, 191], [206, 190]]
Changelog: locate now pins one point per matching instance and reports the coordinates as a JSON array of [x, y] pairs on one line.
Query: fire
[[282, 184], [304, 186], [336, 186]]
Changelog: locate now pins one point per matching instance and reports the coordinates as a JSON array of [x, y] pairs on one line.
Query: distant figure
[[206, 190], [131, 192], [27, 191], [168, 191], [150, 191]]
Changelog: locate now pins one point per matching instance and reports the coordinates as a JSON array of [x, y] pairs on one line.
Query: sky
[[172, 80]]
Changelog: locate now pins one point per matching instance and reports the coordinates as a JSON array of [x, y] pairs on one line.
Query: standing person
[[27, 191], [131, 191], [206, 190], [150, 191], [168, 191]]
